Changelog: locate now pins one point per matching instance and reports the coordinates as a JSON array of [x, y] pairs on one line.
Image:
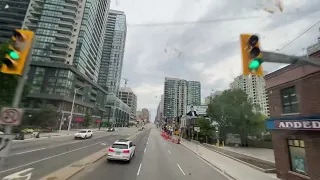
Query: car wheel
[[134, 152]]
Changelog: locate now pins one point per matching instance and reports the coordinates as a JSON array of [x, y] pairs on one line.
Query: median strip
[[71, 170]]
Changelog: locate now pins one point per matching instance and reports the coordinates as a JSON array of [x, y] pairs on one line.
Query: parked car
[[110, 129]]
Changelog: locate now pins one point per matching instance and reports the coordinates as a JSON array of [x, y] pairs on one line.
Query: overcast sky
[[160, 44]]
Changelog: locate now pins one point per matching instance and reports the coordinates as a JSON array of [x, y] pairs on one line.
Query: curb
[[243, 162], [222, 171], [76, 167], [47, 137]]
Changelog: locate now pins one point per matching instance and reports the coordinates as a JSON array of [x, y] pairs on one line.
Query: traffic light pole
[[18, 93], [287, 59]]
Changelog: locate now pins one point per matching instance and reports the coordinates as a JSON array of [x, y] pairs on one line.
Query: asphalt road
[[117, 170], [46, 156], [155, 159]]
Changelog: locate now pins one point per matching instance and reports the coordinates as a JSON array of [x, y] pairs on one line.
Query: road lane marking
[[34, 150], [139, 169], [181, 169], [50, 157], [145, 150], [18, 175], [147, 142], [169, 151]]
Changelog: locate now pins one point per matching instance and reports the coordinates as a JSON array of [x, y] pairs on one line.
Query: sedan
[[83, 134]]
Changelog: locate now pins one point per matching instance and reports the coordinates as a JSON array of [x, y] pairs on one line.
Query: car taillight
[[111, 150], [126, 151]]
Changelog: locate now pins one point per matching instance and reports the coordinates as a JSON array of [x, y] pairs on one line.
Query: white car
[[83, 134], [122, 150]]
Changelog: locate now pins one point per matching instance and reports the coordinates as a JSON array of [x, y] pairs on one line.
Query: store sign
[[303, 125]]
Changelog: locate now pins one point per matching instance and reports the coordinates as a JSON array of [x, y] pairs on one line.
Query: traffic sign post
[[5, 144], [11, 116]]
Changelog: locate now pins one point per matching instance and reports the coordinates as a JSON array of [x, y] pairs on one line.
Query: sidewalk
[[29, 137], [232, 168], [260, 153]]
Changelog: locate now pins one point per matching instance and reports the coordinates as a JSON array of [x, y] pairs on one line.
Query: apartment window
[[297, 156], [289, 100]]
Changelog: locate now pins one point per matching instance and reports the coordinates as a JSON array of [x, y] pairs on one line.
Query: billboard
[[200, 110]]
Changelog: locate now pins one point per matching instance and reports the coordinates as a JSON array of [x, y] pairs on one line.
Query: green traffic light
[[254, 64], [14, 55]]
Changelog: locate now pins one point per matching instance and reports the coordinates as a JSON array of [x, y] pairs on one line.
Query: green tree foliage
[[205, 127], [87, 120], [234, 114], [46, 116]]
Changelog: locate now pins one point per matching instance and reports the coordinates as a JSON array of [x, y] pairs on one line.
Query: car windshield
[[82, 131], [120, 146]]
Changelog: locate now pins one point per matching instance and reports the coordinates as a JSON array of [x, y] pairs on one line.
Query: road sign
[[24, 174], [11, 116], [5, 144]]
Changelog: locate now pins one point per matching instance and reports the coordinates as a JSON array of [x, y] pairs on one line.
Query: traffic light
[[251, 55], [17, 52]]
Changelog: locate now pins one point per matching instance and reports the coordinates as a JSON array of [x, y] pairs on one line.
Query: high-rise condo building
[[127, 96], [178, 93], [66, 59], [255, 88], [12, 13], [113, 51]]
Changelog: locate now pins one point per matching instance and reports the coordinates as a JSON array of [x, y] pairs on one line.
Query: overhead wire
[[293, 40], [225, 19]]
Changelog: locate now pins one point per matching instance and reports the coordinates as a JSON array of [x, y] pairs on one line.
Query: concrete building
[[127, 96], [159, 115], [178, 93], [91, 38], [294, 101], [113, 51], [58, 70], [139, 116], [193, 93], [145, 115], [255, 88], [212, 95], [12, 13]]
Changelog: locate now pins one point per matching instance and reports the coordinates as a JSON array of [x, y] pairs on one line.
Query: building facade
[[294, 101], [255, 88], [12, 13], [159, 116], [178, 93], [113, 51], [57, 73], [208, 99], [128, 97], [91, 38], [193, 93], [145, 115]]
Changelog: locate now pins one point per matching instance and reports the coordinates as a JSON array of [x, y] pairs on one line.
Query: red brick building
[[294, 104]]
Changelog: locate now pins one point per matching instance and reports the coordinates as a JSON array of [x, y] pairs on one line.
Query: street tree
[[205, 127], [45, 117], [233, 112], [87, 119]]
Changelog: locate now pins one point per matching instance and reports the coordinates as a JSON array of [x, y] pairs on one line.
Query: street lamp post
[[72, 107]]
